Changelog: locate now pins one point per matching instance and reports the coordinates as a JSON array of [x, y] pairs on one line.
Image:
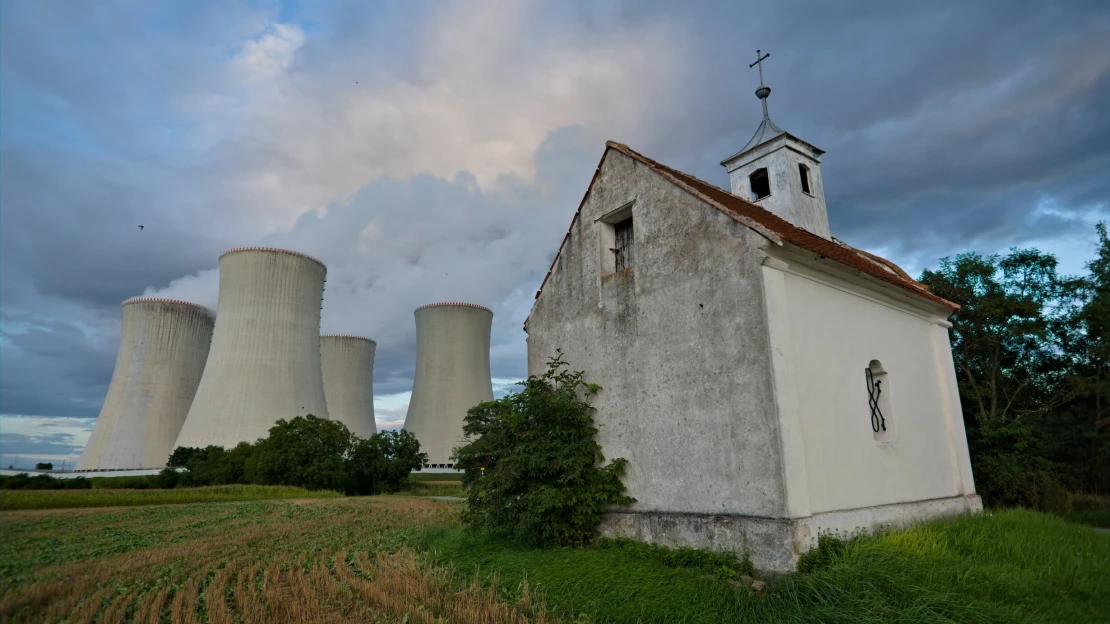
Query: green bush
[[307, 452], [382, 463], [213, 465], [1009, 470], [533, 467], [24, 481]]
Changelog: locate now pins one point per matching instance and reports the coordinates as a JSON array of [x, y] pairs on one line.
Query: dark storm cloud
[[38, 446], [945, 124]]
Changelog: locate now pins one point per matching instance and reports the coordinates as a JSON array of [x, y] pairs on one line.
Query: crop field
[[406, 559], [323, 560], [58, 499]]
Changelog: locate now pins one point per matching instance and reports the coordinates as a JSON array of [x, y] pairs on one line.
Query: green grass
[[1010, 566], [1089, 509], [436, 488], [58, 499], [118, 483], [436, 476]]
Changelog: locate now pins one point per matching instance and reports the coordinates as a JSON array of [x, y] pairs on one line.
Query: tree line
[[308, 452], [1032, 353]]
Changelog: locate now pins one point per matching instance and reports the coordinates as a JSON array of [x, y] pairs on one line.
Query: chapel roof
[[771, 226]]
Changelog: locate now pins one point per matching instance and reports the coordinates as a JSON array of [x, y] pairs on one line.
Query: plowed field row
[[275, 561]]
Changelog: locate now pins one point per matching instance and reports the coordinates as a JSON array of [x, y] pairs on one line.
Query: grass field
[[263, 561], [436, 476], [405, 559], [1011, 566], [58, 499]]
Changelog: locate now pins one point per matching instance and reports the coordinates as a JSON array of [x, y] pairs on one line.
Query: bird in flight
[[140, 227]]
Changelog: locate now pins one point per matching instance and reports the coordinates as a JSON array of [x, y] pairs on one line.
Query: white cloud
[[268, 55], [454, 180]]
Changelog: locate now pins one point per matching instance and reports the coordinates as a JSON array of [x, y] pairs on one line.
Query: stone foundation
[[775, 544]]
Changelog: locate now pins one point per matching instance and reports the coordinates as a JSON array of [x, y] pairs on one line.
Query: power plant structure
[[264, 363], [452, 375], [163, 346], [348, 366]]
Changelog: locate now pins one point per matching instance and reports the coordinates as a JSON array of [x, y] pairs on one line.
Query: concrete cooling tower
[[348, 365], [163, 345], [265, 358], [452, 375]]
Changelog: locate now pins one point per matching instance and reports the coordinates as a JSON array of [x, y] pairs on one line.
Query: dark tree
[[382, 463], [306, 451]]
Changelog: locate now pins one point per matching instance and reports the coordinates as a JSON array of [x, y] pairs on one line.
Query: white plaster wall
[[264, 363], [832, 336], [677, 342], [452, 375], [348, 367], [162, 352]]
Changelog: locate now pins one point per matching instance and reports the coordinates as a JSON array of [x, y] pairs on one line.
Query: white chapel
[[766, 381]]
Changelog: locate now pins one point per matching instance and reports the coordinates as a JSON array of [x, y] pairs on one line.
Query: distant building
[[264, 362], [766, 381], [452, 375], [347, 363], [163, 345]]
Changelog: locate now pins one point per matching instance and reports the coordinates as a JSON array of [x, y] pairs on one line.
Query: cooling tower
[[452, 375], [264, 363], [163, 345], [348, 365]]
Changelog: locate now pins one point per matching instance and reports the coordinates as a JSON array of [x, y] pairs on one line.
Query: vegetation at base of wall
[[533, 468], [307, 452], [65, 499], [1010, 566], [1032, 355]]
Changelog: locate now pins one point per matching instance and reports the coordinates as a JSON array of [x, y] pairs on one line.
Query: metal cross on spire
[[762, 91]]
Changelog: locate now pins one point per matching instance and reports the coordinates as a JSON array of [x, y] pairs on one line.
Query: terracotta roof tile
[[774, 228]]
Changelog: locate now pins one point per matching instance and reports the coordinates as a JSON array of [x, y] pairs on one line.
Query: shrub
[[23, 481], [383, 462], [1010, 471], [44, 466], [166, 479], [213, 465], [306, 451], [182, 456], [533, 468]]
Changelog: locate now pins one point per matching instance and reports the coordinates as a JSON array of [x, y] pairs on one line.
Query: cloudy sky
[[432, 151]]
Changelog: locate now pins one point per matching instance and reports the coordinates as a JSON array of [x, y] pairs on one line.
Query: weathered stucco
[[677, 342], [781, 157], [733, 377]]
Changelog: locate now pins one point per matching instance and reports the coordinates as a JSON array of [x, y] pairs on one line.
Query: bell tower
[[779, 171]]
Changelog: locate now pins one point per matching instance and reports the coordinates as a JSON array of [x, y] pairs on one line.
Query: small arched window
[[879, 405], [760, 184], [803, 173]]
